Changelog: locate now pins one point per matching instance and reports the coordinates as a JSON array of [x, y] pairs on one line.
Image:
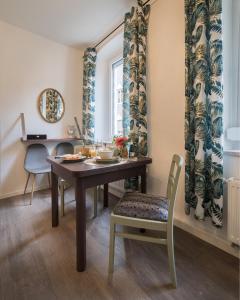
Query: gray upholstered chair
[[35, 163], [67, 148], [148, 212], [64, 148]]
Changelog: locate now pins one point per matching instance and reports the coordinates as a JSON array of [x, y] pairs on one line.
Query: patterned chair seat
[[142, 206]]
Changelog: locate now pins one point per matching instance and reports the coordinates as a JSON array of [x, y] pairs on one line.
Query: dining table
[[87, 174]]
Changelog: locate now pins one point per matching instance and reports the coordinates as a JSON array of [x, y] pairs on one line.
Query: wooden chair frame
[[33, 183], [173, 179]]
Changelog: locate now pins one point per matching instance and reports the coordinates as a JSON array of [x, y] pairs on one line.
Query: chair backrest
[[36, 156], [173, 179], [64, 148]]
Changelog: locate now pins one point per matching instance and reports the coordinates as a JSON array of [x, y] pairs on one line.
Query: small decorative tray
[[113, 160], [67, 159], [104, 162]]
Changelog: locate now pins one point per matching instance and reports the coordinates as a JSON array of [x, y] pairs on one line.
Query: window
[[236, 62], [117, 97], [231, 58]]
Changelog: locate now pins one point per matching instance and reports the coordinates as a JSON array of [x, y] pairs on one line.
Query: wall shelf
[[50, 140]]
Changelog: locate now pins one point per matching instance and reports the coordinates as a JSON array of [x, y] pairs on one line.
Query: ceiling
[[77, 23]]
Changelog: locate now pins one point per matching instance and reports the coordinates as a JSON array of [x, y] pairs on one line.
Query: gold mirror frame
[[53, 118]]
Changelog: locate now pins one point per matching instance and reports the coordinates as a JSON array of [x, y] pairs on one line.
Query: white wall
[[29, 64], [165, 90]]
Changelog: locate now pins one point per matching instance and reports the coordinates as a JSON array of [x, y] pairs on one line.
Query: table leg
[[54, 178], [105, 195], [143, 190], [80, 197], [144, 181]]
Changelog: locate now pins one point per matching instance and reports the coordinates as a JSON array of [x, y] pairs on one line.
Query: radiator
[[234, 210]]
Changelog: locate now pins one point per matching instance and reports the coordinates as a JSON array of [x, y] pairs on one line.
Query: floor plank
[[38, 261]]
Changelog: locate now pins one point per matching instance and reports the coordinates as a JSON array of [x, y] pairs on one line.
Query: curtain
[[134, 77], [134, 81], [88, 104], [204, 109]]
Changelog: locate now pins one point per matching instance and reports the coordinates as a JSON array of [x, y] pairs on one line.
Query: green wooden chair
[[148, 212]]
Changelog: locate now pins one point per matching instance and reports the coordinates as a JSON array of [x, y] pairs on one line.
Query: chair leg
[[111, 247], [49, 180], [171, 259], [95, 202], [34, 176], [29, 174], [62, 197]]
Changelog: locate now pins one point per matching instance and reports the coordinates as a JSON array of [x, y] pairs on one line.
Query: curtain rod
[[115, 29]]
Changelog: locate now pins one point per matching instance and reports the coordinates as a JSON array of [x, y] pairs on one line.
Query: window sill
[[232, 152]]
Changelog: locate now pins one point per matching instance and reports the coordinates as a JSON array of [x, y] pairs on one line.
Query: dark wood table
[[85, 176]]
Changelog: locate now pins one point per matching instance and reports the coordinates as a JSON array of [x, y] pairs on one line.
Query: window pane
[[117, 97], [231, 71]]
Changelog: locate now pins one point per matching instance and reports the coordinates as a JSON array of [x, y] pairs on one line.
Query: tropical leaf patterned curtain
[[134, 77], [88, 103], [204, 109], [134, 81]]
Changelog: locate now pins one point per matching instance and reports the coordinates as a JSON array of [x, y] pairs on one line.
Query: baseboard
[[212, 239], [20, 192]]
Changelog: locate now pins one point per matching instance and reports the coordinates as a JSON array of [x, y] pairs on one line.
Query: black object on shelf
[[36, 136]]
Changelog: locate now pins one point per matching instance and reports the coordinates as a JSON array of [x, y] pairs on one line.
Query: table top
[[79, 169]]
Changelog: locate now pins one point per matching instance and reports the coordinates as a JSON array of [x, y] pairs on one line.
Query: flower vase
[[123, 152]]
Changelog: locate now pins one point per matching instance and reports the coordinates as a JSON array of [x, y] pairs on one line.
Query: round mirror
[[51, 105]]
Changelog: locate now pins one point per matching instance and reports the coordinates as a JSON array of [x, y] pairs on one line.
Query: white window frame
[[113, 61], [230, 58]]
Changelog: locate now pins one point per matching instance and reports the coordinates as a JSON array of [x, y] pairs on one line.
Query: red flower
[[121, 141]]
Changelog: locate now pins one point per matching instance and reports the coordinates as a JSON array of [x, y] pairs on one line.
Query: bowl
[[105, 154]]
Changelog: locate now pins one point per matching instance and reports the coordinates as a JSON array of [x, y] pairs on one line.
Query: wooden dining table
[[86, 175]]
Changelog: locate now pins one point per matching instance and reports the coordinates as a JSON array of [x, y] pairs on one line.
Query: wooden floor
[[38, 262]]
